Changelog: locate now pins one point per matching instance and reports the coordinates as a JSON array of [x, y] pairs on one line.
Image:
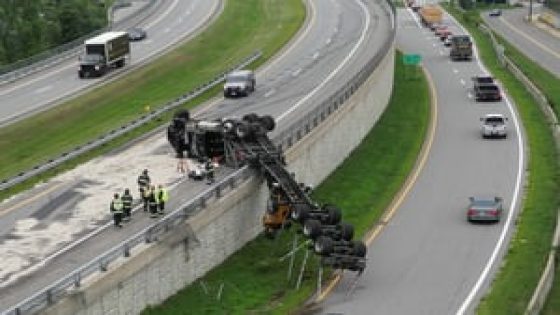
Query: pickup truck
[[485, 89]]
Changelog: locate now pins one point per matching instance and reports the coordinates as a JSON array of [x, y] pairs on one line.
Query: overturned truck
[[238, 142]]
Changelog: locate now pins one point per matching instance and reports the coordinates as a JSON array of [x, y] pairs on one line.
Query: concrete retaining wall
[[155, 272]]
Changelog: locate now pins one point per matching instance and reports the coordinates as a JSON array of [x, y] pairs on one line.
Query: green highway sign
[[412, 59]]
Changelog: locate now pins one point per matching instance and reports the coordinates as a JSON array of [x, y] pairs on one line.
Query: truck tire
[[120, 63], [252, 117], [242, 130], [312, 229], [359, 249], [323, 246], [300, 213], [268, 122], [333, 214], [346, 231]]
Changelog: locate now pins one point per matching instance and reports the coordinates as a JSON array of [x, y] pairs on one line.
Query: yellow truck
[[430, 14]]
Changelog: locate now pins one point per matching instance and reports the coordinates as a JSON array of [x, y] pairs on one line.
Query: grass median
[[243, 27], [514, 284], [253, 280]]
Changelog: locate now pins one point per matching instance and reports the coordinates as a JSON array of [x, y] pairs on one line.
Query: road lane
[[428, 258], [47, 88]]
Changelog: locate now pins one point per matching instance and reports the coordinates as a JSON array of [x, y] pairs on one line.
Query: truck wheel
[[333, 214], [323, 246], [250, 117], [312, 229], [270, 233], [300, 213], [268, 122], [359, 249], [242, 130], [346, 231]]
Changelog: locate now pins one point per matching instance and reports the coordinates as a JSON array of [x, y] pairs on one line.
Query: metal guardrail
[[542, 290], [46, 59], [53, 293], [10, 182]]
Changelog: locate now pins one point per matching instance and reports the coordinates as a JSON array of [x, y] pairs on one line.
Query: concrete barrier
[[158, 270]]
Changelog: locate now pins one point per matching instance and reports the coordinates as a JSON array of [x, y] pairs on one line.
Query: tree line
[[28, 27]]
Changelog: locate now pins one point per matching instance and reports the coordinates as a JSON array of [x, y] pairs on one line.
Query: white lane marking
[[43, 89], [328, 41], [269, 93], [434, 44], [515, 198], [469, 95], [335, 71], [316, 55], [164, 15], [167, 30], [336, 29], [455, 70], [296, 73], [441, 52], [415, 18], [463, 82]]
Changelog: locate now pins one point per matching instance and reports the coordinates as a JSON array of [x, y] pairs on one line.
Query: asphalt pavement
[[428, 259], [173, 21], [539, 45], [58, 226]]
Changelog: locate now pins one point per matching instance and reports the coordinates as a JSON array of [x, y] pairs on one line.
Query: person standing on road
[[162, 196], [117, 210], [152, 202], [143, 187], [127, 204]]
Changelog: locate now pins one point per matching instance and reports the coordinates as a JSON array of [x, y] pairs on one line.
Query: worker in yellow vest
[[116, 208], [162, 196]]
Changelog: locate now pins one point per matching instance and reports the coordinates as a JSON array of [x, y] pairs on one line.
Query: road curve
[[537, 44], [173, 21], [428, 259], [55, 228]]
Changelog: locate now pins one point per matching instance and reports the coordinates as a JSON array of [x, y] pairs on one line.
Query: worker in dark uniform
[[162, 196], [143, 187], [209, 168], [152, 202], [127, 204], [117, 210]]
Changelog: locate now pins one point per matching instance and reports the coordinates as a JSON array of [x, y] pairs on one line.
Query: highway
[[537, 44], [427, 259], [57, 227], [173, 21]]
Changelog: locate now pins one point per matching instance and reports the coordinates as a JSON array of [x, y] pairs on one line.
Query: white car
[[494, 126]]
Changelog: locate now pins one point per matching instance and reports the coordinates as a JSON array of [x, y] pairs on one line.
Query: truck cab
[[461, 48]]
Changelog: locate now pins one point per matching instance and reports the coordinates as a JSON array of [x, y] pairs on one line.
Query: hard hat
[[126, 191], [145, 171], [116, 195]]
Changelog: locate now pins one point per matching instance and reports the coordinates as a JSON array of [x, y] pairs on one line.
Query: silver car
[[239, 83], [494, 126]]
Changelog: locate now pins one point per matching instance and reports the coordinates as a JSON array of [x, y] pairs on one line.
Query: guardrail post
[[202, 202], [102, 266], [78, 281], [126, 250], [219, 192], [49, 297]]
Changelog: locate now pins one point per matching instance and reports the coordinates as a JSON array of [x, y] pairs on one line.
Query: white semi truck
[[104, 52]]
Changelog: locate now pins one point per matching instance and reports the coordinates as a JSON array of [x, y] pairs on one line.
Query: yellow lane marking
[[534, 41], [30, 200], [391, 210]]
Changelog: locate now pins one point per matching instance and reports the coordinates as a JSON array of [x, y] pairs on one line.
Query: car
[[239, 83], [136, 34], [434, 26], [484, 209], [485, 89], [442, 31], [494, 126], [495, 12]]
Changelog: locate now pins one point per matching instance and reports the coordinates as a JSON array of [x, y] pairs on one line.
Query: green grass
[[265, 25], [363, 186], [520, 273], [552, 306]]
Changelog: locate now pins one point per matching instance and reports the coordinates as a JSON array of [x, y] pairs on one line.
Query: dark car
[[495, 12], [484, 209], [135, 34]]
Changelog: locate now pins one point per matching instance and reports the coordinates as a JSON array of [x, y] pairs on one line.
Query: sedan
[[484, 209], [495, 12], [136, 34]]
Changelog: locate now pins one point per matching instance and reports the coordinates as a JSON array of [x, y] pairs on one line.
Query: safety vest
[[162, 195], [117, 206], [127, 201]]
